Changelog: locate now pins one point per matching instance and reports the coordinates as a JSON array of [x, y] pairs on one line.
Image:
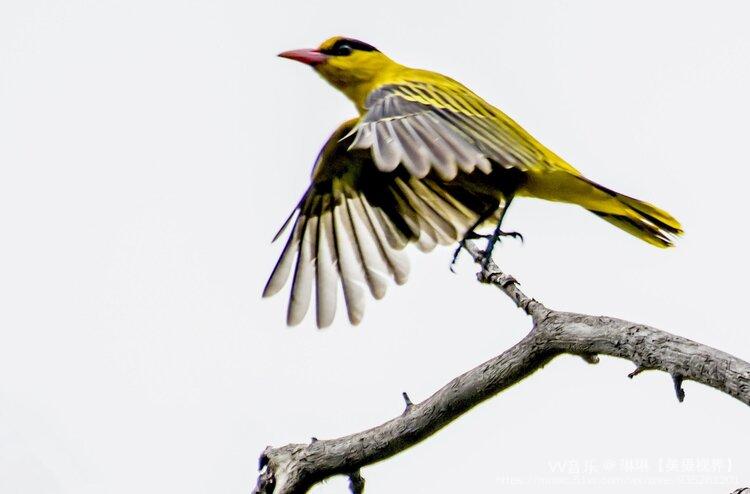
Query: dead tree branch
[[295, 468]]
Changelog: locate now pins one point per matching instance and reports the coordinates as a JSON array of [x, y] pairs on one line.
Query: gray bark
[[295, 468]]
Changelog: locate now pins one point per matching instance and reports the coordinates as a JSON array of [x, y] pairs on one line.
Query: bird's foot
[[462, 245], [487, 253], [515, 235], [495, 237]]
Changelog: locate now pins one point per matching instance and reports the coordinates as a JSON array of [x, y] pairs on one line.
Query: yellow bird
[[427, 161]]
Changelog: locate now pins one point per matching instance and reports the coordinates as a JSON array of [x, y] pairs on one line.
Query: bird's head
[[350, 65]]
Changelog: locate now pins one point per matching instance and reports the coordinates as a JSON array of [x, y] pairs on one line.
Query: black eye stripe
[[344, 46]]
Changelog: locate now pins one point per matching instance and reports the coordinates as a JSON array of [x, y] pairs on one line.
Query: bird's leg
[[491, 239], [496, 234], [471, 234]]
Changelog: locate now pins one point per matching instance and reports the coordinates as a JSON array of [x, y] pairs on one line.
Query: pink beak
[[306, 56]]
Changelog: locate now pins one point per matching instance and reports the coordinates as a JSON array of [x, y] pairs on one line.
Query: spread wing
[[353, 222], [442, 126]]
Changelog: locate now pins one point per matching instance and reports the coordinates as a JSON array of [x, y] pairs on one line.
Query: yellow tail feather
[[638, 218]]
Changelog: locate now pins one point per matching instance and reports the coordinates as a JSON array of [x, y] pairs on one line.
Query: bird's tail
[[638, 218], [645, 221]]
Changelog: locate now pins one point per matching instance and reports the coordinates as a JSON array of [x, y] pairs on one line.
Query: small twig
[[637, 371], [590, 358], [356, 483], [508, 284], [677, 379], [266, 480], [407, 401]]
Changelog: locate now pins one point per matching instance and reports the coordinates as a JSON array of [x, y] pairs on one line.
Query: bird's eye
[[343, 50]]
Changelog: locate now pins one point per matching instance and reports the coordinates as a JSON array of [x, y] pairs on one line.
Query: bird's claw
[[486, 254], [456, 252], [462, 245], [476, 236], [515, 235]]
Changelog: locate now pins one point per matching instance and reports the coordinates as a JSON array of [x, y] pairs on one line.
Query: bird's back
[[440, 92]]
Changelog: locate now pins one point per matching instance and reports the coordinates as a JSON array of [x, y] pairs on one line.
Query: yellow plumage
[[426, 161], [361, 73]]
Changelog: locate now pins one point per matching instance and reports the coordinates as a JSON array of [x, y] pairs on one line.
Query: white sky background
[[150, 150]]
